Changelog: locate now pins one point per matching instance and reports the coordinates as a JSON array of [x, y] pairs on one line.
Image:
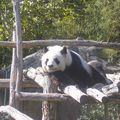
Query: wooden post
[[13, 75], [49, 108], [19, 50]]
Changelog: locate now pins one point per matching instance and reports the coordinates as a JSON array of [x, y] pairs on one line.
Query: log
[[76, 94], [74, 42], [42, 97], [5, 83], [73, 91], [114, 76], [19, 49], [98, 95], [39, 77], [17, 115], [71, 42], [112, 89], [7, 44], [13, 75], [49, 108]]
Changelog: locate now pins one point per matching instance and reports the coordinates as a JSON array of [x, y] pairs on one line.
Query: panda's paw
[[39, 70]]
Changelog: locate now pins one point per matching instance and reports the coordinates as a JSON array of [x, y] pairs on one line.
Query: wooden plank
[[15, 114], [38, 43]]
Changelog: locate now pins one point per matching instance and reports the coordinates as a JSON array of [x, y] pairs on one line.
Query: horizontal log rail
[[4, 83], [38, 43], [41, 96], [24, 96]]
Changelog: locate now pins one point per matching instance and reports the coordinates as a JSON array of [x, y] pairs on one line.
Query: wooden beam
[[7, 44], [19, 51], [42, 97], [38, 43], [40, 78], [71, 42], [13, 75], [19, 48], [49, 108], [28, 96], [97, 94], [5, 83], [76, 93]]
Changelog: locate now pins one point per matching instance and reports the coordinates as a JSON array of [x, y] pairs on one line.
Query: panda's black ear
[[45, 49], [64, 50]]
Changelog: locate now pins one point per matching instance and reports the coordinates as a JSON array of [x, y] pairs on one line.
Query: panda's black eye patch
[[46, 61], [57, 61]]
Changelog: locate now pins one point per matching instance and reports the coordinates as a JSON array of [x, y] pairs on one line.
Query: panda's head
[[56, 58]]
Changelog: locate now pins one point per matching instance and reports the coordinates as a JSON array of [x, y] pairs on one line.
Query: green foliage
[[6, 20], [96, 112], [6, 26], [92, 112], [95, 19], [101, 20], [111, 55]]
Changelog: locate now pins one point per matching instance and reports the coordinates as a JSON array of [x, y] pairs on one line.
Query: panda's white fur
[[52, 53], [65, 60], [60, 58]]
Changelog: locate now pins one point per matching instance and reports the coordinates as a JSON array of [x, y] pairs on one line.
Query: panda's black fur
[[77, 73]]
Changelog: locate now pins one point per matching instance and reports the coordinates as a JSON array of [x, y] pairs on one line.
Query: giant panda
[[67, 62]]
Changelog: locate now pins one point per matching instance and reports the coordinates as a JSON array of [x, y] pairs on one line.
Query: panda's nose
[[50, 66]]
